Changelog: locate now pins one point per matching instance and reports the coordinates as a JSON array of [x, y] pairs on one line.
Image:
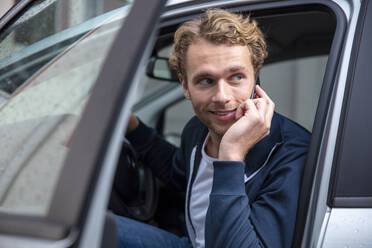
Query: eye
[[237, 77], [205, 81]]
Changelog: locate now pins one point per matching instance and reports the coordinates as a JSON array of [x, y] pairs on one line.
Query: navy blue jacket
[[260, 212]]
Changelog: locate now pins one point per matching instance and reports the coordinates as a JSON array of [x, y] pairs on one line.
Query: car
[[72, 71]]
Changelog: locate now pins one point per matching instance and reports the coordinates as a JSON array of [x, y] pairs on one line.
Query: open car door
[[65, 101]]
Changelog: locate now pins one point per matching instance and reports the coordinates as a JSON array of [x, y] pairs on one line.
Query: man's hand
[[253, 124], [133, 123]]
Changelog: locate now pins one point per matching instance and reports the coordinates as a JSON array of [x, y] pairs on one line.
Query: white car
[[71, 71]]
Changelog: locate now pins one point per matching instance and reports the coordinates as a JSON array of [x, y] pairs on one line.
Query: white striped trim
[[188, 224], [246, 179]]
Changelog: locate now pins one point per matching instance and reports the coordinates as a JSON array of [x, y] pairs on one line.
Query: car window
[[44, 100], [294, 86], [43, 31]]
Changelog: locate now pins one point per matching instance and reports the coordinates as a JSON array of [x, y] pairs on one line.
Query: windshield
[[48, 65]]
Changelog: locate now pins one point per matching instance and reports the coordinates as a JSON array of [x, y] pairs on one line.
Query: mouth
[[224, 115]]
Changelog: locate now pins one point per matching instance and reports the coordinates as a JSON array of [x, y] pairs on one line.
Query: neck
[[213, 144]]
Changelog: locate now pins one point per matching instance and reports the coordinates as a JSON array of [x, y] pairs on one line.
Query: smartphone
[[257, 81]]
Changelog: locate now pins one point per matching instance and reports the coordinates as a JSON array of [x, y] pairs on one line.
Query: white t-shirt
[[200, 192]]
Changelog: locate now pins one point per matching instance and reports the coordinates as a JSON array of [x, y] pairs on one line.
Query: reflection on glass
[[38, 116], [42, 32]]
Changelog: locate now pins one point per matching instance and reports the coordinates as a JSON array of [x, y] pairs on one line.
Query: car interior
[[299, 40]]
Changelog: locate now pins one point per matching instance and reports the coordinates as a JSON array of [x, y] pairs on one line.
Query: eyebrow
[[202, 75], [236, 68], [229, 70]]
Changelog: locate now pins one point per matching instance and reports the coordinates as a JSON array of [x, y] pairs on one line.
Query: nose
[[222, 92]]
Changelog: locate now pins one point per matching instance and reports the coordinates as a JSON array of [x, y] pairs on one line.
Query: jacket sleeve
[[234, 220], [166, 160]]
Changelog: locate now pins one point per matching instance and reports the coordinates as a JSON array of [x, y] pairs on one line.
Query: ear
[[186, 91]]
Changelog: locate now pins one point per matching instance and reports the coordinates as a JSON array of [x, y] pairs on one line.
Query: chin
[[219, 130], [214, 127]]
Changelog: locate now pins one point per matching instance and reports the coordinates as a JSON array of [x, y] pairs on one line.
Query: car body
[[70, 74]]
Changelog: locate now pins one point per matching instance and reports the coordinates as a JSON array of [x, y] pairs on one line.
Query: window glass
[[38, 119], [294, 86], [42, 32]]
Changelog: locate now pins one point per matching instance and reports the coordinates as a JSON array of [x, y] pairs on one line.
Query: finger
[[261, 93], [271, 105], [262, 106], [270, 112], [266, 110], [239, 112], [245, 108]]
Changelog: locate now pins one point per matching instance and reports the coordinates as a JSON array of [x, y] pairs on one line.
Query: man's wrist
[[231, 152], [225, 156]]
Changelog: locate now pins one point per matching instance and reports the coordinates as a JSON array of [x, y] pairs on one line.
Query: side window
[[294, 86]]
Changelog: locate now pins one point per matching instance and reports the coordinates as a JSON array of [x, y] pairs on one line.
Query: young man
[[239, 162]]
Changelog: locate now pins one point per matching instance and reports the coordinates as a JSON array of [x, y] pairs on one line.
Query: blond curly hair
[[218, 27]]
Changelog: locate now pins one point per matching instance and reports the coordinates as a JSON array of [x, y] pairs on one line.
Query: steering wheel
[[134, 192]]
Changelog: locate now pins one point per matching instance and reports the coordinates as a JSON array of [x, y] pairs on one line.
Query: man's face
[[219, 79]]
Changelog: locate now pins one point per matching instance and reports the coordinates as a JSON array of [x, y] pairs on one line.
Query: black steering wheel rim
[[134, 192]]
